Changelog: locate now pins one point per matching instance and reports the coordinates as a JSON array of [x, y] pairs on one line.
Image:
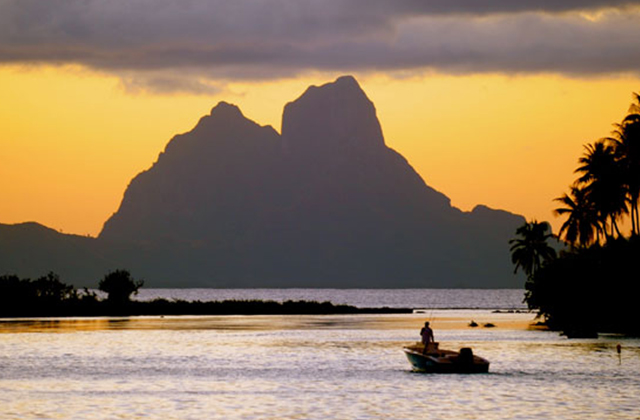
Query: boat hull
[[445, 361]]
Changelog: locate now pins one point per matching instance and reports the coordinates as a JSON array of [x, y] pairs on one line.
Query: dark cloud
[[162, 41]]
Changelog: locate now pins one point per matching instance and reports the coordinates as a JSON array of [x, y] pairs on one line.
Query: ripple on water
[[342, 372]]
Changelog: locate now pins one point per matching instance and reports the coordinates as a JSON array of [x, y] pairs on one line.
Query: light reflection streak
[[441, 319]]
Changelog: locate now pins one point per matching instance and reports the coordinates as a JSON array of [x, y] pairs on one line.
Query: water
[[306, 367], [369, 298]]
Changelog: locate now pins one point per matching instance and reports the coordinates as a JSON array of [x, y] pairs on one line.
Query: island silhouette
[[323, 204]]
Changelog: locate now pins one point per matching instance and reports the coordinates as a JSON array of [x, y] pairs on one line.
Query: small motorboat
[[435, 360]]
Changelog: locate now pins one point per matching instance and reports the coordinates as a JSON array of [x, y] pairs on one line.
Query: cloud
[[167, 83], [165, 41]]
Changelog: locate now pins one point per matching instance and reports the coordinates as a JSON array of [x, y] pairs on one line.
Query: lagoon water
[[363, 298], [307, 367]]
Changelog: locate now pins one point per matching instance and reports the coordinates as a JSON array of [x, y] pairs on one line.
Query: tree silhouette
[[119, 286], [15, 292], [45, 296], [626, 140], [49, 288], [603, 182], [581, 226], [608, 183], [566, 289], [531, 249]]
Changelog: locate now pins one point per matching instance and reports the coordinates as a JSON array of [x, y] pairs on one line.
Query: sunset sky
[[489, 101]]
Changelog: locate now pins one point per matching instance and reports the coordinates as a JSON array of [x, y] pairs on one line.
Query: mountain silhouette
[[323, 204], [32, 250]]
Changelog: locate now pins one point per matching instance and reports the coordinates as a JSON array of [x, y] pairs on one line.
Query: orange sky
[[73, 138]]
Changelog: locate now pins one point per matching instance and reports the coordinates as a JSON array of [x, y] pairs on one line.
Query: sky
[[491, 102]]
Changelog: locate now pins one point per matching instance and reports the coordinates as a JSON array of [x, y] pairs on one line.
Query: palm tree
[[581, 226], [603, 182], [626, 141], [530, 250], [634, 108]]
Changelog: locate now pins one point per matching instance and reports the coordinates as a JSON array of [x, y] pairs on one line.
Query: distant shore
[[164, 307]]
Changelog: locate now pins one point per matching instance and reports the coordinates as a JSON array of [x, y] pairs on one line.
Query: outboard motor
[[466, 356]]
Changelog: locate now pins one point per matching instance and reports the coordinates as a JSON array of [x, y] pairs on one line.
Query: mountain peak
[[326, 204], [344, 87], [223, 119], [226, 110], [331, 117], [347, 81]]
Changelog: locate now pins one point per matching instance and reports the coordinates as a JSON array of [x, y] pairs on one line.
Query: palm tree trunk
[[614, 225]]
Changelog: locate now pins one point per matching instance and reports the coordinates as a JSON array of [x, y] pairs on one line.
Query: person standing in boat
[[427, 335]]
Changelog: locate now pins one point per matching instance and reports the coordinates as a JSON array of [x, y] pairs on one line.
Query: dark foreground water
[[306, 367]]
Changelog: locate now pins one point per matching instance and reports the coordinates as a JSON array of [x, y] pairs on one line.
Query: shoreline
[[440, 320], [77, 308]]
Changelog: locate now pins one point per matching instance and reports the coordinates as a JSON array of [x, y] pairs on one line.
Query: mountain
[[32, 250], [324, 204]]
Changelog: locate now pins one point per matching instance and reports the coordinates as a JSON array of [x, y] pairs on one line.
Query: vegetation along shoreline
[[48, 296], [589, 286]]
